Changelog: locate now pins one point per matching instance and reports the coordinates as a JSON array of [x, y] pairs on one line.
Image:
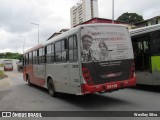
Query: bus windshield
[[105, 43]]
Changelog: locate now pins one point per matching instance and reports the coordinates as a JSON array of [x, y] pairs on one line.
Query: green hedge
[[1, 65], [1, 73]]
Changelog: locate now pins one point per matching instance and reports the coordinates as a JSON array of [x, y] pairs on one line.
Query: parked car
[[20, 66], [8, 65]]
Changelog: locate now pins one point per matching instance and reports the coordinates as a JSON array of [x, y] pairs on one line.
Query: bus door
[[39, 67], [155, 58], [60, 68], [73, 64], [141, 53]]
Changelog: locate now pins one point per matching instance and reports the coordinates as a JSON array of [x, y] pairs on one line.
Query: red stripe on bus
[[108, 87]]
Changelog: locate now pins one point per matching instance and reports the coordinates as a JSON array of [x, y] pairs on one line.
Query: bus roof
[[34, 48], [144, 29], [71, 32]]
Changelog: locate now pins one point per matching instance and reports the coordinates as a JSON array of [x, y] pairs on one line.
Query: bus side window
[[61, 51], [41, 56], [27, 59], [48, 54], [64, 50], [34, 57], [73, 53], [52, 53], [37, 59], [24, 60], [30, 58], [58, 51]]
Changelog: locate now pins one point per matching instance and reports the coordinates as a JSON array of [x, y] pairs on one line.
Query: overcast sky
[[16, 17]]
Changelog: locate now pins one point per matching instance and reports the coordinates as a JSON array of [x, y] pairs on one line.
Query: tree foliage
[[130, 18], [9, 55]]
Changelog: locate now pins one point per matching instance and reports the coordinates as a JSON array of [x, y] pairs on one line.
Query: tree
[[9, 55], [130, 18]]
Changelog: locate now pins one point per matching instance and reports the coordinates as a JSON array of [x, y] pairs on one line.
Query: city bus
[[91, 58], [146, 47]]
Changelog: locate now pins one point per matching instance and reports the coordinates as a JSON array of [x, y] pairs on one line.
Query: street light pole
[[38, 29], [23, 43], [112, 11]]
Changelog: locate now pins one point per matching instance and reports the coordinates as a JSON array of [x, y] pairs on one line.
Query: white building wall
[[87, 12], [95, 8], [83, 11], [71, 16]]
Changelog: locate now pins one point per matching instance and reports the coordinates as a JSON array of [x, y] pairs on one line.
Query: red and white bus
[[86, 59]]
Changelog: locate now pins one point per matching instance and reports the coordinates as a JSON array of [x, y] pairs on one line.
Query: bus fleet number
[[111, 86]]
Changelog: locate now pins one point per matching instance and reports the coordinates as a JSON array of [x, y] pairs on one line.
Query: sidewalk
[[4, 82]]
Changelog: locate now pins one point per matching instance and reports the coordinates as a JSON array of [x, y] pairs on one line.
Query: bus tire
[[51, 88], [28, 80]]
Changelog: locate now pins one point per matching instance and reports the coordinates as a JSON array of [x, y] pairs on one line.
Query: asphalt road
[[18, 96]]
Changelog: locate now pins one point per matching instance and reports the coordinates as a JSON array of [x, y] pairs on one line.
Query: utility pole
[[38, 30], [112, 11]]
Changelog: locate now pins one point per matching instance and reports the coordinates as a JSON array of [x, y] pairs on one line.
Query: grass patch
[[1, 65], [1, 73]]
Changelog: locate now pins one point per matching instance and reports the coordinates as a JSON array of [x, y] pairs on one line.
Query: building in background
[[104, 20], [57, 33], [83, 11], [148, 22]]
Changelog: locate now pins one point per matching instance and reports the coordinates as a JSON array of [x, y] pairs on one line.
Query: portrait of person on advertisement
[[86, 50], [102, 53]]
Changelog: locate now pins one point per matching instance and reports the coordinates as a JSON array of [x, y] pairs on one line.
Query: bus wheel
[[51, 88], [28, 80]]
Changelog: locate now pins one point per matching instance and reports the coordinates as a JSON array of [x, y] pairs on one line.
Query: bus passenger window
[[50, 53], [40, 55], [37, 59], [73, 55], [71, 48], [27, 59], [30, 58], [64, 50], [75, 51], [58, 54], [34, 57], [49, 49]]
